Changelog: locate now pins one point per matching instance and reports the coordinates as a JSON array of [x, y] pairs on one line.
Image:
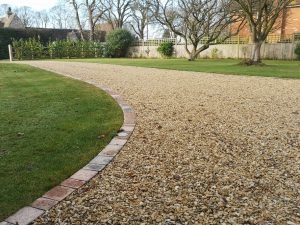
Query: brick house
[[290, 20], [287, 25]]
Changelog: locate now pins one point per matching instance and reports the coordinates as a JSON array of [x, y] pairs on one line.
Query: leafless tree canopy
[[140, 17], [26, 14], [96, 11], [196, 20], [118, 12], [261, 16], [43, 18], [90, 11], [3, 9], [61, 16]]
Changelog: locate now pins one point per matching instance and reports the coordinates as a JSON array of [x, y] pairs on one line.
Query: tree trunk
[[78, 19], [256, 57], [92, 30], [192, 55], [195, 52], [91, 23]]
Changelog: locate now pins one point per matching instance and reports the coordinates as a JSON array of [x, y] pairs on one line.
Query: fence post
[[10, 53], [176, 48], [238, 47]]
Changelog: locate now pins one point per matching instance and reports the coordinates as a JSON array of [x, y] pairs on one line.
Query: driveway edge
[[28, 214]]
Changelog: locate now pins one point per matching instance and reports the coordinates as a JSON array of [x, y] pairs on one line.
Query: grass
[[50, 127], [273, 68]]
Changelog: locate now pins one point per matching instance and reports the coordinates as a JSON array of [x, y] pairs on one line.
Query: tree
[[197, 21], [118, 12], [43, 17], [76, 7], [3, 9], [140, 17], [261, 16], [60, 16], [27, 15], [91, 11], [95, 10]]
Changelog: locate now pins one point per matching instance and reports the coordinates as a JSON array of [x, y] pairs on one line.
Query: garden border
[[28, 214]]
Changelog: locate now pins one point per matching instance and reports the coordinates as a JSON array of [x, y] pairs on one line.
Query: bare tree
[[197, 21], [37, 20], [60, 16], [27, 15], [90, 11], [261, 16], [140, 17], [43, 18], [118, 12], [95, 10], [3, 9], [76, 6]]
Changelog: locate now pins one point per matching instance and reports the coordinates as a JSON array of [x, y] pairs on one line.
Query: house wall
[[285, 26], [292, 24]]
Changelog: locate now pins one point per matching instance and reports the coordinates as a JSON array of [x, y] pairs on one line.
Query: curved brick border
[[28, 214]]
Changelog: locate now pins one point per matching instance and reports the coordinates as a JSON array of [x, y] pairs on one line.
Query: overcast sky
[[35, 4]]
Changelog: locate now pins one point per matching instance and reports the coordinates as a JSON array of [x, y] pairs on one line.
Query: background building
[[11, 20]]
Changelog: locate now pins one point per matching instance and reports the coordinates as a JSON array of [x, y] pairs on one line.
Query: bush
[[33, 49], [117, 43], [166, 49], [215, 53], [7, 35], [297, 51], [29, 49]]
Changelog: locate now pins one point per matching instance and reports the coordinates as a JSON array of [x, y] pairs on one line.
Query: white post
[[10, 53]]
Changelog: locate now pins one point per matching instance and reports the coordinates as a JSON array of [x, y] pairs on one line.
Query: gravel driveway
[[207, 149]]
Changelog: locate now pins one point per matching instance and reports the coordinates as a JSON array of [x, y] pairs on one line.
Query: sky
[[37, 5]]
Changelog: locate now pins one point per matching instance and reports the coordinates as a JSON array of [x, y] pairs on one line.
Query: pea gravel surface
[[207, 149]]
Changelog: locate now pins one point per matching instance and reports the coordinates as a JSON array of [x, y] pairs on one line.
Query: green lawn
[[50, 127], [273, 68]]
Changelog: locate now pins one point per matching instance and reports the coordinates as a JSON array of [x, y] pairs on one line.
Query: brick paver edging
[[28, 214]]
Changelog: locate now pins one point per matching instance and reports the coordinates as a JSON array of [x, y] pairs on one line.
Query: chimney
[[9, 12]]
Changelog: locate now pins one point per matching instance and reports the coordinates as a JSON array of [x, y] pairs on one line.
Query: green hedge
[[7, 35], [33, 48]]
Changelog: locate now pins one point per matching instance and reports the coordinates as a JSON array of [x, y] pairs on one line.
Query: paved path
[[207, 149]]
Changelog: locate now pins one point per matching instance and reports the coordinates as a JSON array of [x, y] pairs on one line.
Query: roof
[[11, 20], [6, 20]]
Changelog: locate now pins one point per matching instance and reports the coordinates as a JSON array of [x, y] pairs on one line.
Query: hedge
[[7, 35]]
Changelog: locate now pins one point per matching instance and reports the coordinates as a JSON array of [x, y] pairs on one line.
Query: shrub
[[166, 49], [117, 43], [28, 49], [33, 49], [297, 51], [215, 53]]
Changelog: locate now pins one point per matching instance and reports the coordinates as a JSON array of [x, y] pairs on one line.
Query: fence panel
[[239, 51]]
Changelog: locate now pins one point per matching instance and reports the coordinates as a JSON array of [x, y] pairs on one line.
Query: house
[[290, 20], [287, 25], [11, 20]]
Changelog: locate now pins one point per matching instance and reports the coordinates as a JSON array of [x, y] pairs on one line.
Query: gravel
[[207, 149]]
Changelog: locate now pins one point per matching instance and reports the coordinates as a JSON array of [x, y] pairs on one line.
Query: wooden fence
[[275, 47], [271, 39]]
